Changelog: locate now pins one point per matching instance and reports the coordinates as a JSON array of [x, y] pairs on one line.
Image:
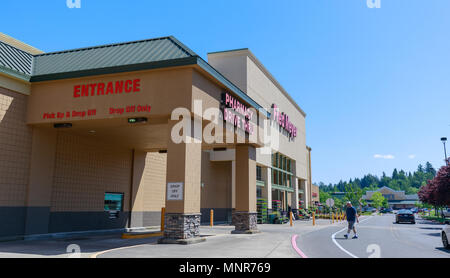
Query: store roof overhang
[[157, 53]]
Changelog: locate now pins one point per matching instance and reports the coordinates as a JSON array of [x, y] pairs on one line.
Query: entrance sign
[[174, 191], [111, 88]]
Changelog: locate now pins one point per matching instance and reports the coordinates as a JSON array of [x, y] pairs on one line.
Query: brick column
[[245, 215]]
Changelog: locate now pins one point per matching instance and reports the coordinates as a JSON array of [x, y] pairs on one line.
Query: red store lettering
[[110, 88]]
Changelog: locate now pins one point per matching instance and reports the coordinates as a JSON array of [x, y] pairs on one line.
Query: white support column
[[306, 194], [268, 187], [295, 197], [233, 184]]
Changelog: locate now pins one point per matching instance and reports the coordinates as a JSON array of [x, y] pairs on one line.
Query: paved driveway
[[274, 241]]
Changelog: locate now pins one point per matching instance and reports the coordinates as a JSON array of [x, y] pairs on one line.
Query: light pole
[[444, 139]]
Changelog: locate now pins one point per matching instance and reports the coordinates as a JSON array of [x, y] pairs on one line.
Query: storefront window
[[258, 173], [275, 177], [281, 171], [258, 192]]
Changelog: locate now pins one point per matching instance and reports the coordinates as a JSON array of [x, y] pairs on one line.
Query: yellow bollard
[[163, 215], [314, 219], [332, 216], [290, 218], [211, 218]]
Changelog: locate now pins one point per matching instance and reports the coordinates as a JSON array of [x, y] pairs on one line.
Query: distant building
[[315, 195], [339, 195], [396, 199]]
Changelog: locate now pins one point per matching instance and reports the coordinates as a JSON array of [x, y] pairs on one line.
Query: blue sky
[[375, 83]]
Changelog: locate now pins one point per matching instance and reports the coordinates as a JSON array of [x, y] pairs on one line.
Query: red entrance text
[[109, 88]]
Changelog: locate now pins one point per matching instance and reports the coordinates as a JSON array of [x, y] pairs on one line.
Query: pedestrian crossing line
[[339, 246]]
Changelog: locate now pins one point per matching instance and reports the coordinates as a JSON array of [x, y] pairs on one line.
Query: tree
[[429, 169], [324, 196], [420, 169], [400, 180], [377, 200], [437, 190], [353, 194], [395, 174]]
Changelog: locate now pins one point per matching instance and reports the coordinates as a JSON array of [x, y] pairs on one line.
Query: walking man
[[351, 216]]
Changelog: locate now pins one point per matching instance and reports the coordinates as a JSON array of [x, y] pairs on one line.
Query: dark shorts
[[351, 224]]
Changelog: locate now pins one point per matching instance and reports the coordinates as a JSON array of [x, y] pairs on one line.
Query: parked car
[[415, 210], [444, 235], [369, 209], [405, 215], [386, 210], [446, 213]]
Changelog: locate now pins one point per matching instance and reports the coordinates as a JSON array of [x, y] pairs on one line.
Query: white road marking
[[339, 246]]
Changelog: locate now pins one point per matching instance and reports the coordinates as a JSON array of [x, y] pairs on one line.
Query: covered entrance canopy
[[137, 95]]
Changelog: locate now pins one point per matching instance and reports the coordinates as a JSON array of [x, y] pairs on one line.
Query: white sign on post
[[174, 191], [330, 202]]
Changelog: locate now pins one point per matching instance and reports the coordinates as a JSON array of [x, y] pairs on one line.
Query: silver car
[[445, 234]]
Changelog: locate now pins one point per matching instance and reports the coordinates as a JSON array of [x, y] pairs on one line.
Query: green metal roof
[[106, 59], [14, 59], [55, 64]]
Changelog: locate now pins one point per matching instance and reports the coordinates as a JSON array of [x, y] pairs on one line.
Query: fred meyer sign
[[283, 121]]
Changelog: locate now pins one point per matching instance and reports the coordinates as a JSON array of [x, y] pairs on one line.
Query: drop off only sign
[[330, 202], [175, 191]]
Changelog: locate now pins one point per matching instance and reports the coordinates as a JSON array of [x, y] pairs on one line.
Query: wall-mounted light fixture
[[62, 125]]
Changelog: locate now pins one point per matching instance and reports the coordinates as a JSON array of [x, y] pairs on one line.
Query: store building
[[89, 139], [397, 199]]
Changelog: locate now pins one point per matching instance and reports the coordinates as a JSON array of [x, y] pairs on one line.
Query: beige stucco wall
[[164, 90], [235, 65], [84, 170], [216, 177], [15, 84], [315, 189], [232, 67], [149, 181], [266, 93], [15, 148]]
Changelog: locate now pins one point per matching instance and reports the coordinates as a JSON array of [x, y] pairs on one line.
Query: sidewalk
[[274, 241]]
